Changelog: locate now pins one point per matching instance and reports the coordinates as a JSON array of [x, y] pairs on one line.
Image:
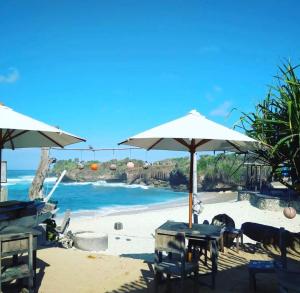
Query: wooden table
[[202, 232]]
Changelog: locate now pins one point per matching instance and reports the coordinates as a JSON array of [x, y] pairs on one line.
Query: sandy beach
[[126, 266], [136, 238]]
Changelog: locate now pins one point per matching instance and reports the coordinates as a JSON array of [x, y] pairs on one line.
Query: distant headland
[[218, 172]]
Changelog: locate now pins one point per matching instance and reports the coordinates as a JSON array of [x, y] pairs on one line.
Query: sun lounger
[[62, 229]]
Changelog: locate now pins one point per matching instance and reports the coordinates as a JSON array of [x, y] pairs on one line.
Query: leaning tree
[[276, 124]]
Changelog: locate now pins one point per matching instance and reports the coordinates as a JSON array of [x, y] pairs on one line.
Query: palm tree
[[276, 124]]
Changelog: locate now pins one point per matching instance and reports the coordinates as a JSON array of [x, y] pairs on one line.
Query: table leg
[[214, 260], [15, 259], [205, 252]]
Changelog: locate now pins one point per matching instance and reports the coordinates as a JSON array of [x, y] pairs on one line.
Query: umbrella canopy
[[20, 131], [177, 135], [192, 133]]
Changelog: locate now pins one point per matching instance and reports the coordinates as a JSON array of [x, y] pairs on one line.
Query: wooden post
[[260, 177], [247, 178], [256, 178], [36, 188]]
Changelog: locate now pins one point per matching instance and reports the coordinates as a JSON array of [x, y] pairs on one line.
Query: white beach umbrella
[[192, 133], [20, 131]]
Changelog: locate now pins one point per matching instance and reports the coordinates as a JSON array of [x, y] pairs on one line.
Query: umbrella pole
[[191, 186], [1, 146], [0, 172]]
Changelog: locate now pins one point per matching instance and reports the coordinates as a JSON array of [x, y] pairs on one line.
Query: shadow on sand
[[232, 274], [17, 286]]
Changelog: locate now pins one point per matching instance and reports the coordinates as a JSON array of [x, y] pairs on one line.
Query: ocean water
[[85, 198]]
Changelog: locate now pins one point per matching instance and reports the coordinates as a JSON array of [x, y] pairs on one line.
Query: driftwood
[[36, 189]]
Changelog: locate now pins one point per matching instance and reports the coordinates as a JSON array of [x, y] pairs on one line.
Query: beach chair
[[229, 231], [174, 263], [62, 229], [235, 234], [263, 266]]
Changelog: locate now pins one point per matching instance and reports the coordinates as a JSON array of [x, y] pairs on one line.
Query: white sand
[[138, 228], [87, 272]]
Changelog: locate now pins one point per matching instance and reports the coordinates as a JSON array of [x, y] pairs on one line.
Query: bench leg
[[205, 255], [196, 279], [222, 243], [157, 279]]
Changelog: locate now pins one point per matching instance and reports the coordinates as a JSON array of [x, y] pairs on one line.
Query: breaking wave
[[103, 183], [27, 179]]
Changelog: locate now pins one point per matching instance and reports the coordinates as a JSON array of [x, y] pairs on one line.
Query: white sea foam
[[51, 179], [21, 179], [27, 179], [105, 211], [76, 183], [118, 184], [8, 184], [103, 183]]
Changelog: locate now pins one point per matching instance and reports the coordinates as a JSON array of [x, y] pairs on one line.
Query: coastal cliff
[[154, 175], [170, 173]]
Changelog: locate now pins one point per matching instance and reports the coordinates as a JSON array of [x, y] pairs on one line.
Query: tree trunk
[[36, 189]]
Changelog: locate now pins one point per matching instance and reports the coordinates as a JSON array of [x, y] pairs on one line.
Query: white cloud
[[217, 89], [10, 77], [222, 110], [211, 95]]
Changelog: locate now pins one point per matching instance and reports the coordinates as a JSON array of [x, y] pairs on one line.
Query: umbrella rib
[[183, 142], [18, 134], [9, 133], [203, 141], [45, 135], [235, 146], [152, 146], [123, 141]]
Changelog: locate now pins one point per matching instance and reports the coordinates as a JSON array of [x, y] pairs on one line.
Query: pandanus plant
[[276, 124]]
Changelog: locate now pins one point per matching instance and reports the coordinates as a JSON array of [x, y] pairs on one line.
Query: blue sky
[[105, 70]]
